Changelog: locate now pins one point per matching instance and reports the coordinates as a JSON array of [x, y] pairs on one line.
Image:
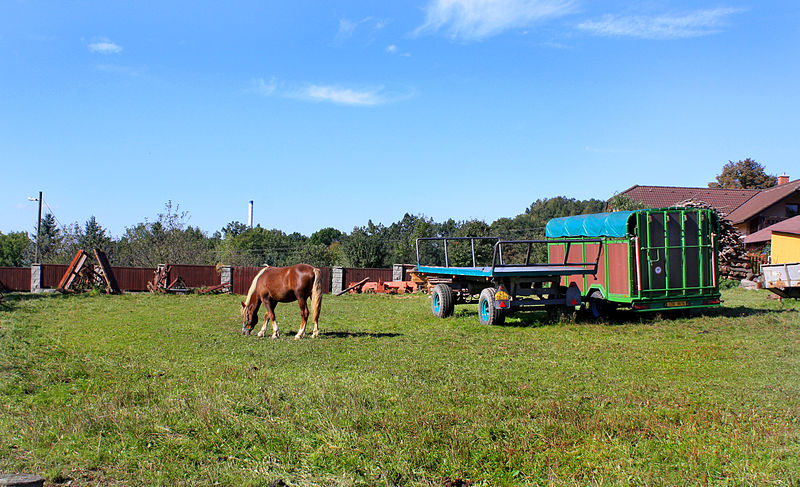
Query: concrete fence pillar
[[337, 279], [226, 276], [398, 272], [36, 278]]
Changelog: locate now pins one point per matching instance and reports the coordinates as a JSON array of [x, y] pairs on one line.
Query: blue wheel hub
[[484, 310], [436, 303]]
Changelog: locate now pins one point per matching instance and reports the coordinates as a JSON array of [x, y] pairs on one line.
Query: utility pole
[[38, 228]]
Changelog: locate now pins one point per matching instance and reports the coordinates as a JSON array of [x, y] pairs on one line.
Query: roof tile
[[724, 200]]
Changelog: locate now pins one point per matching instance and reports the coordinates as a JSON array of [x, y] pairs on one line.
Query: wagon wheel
[[487, 313], [442, 301], [598, 306]]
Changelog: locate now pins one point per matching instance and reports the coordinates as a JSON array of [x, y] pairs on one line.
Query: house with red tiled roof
[[750, 210]]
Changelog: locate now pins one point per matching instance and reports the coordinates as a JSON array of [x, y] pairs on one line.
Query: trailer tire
[[442, 301], [599, 307], [487, 313]]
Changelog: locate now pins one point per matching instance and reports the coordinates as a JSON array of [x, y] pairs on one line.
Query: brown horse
[[273, 285]]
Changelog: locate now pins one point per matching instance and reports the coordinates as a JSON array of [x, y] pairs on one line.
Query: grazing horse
[[273, 285]]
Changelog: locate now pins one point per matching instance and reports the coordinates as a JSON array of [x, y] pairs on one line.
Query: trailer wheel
[[487, 313], [598, 307], [442, 301]]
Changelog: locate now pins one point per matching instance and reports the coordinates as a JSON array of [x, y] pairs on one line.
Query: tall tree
[[365, 246], [746, 174], [15, 249], [620, 202], [166, 241], [94, 236], [49, 240]]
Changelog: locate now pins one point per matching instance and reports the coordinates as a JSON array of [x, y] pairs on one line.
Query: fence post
[[226, 276], [36, 278], [397, 272], [337, 279]]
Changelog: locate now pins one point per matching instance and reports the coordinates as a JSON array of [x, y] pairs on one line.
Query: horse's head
[[249, 318]]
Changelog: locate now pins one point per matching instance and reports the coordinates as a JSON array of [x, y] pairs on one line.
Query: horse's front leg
[[303, 319], [269, 304]]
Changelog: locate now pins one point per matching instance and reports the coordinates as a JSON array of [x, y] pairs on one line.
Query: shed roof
[[764, 199], [791, 225]]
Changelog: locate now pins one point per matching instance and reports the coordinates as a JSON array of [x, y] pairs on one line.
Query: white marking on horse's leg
[[274, 328], [263, 329], [315, 332], [301, 332]]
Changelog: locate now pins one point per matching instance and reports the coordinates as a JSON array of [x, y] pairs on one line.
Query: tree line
[[170, 239]]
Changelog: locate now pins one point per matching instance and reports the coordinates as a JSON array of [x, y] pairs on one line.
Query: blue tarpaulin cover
[[597, 225]]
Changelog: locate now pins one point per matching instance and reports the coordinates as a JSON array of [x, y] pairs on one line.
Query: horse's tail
[[316, 296]]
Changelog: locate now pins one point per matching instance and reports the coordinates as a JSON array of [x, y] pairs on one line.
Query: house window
[[791, 210]]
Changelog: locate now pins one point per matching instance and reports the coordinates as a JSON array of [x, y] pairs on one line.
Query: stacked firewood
[[733, 261]]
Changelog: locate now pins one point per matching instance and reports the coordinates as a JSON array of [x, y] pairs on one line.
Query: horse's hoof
[[274, 337], [298, 337]]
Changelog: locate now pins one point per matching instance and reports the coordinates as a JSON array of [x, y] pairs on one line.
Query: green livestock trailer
[[649, 260]]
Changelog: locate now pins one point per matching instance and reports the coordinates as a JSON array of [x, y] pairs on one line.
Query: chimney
[[250, 214], [783, 179]]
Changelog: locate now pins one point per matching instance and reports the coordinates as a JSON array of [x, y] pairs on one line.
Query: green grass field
[[162, 390]]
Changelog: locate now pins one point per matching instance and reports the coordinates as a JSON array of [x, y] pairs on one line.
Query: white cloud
[[326, 93], [263, 88], [694, 24], [342, 96], [479, 19], [391, 49], [105, 46], [346, 29], [367, 26]]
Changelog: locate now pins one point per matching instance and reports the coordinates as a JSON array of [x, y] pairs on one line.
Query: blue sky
[[335, 113]]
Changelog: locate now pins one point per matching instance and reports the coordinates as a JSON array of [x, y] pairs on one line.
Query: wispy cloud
[[343, 96], [478, 19], [339, 95], [349, 28], [105, 46], [263, 88], [693, 24], [393, 49]]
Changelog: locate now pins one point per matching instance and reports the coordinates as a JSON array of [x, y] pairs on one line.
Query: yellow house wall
[[785, 248]]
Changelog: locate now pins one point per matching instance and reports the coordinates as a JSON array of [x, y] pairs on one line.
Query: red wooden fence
[[15, 279], [136, 278], [353, 275], [52, 274], [133, 278]]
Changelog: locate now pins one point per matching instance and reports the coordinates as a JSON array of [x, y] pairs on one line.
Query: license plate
[[674, 304]]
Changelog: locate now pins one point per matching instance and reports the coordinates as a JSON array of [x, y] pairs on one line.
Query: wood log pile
[[733, 261]]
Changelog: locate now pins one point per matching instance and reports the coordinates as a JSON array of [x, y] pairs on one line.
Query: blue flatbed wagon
[[505, 284]]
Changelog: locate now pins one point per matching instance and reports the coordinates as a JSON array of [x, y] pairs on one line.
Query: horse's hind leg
[[315, 332], [303, 319]]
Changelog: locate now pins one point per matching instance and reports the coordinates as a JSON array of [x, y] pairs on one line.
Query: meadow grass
[[162, 390]]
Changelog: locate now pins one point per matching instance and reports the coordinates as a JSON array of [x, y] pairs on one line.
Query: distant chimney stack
[[783, 179], [250, 214]]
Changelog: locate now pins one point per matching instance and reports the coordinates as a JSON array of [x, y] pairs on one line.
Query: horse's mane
[[253, 287]]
